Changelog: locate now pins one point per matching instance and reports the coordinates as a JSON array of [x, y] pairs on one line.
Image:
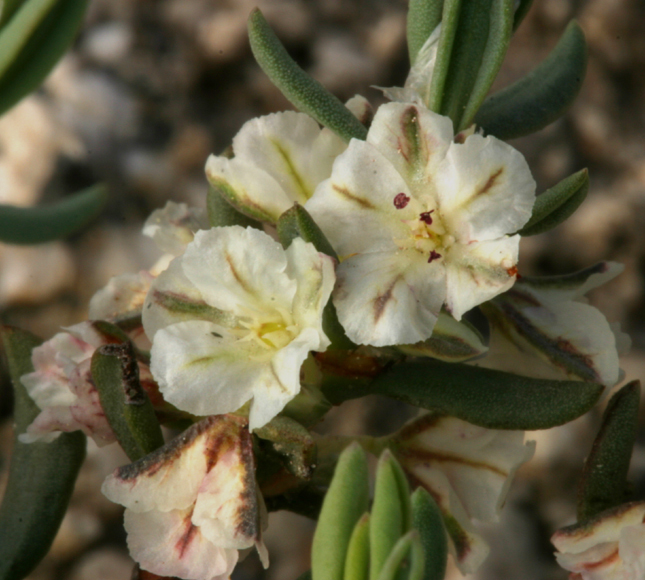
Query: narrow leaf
[[417, 560], [423, 18], [9, 7], [484, 397], [604, 477], [543, 95], [126, 405], [449, 20], [41, 475], [304, 92], [494, 50], [36, 225], [357, 563], [556, 204], [428, 521], [346, 501], [222, 213], [394, 559], [45, 46], [390, 517]]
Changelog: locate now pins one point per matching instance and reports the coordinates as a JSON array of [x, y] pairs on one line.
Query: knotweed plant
[[344, 251]]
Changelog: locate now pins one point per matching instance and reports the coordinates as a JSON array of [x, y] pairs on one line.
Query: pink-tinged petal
[[249, 188], [631, 547], [355, 207], [602, 562], [239, 270], [485, 189], [415, 141], [389, 298], [361, 108], [479, 271], [287, 146], [168, 544], [173, 227], [123, 296], [479, 463]]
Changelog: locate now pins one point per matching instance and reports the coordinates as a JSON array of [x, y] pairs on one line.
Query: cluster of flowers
[[424, 223]]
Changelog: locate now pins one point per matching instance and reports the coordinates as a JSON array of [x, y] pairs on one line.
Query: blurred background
[[152, 87]]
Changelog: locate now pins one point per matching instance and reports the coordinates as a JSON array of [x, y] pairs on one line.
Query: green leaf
[[391, 512], [451, 341], [36, 225], [346, 501], [423, 17], [449, 20], [394, 561], [41, 475], [222, 213], [520, 12], [293, 443], [32, 42], [297, 223], [357, 563], [556, 204], [494, 49], [428, 521], [127, 408], [9, 7], [604, 477], [543, 95], [484, 397], [298, 87]]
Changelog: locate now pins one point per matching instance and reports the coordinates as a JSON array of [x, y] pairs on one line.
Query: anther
[[433, 256], [426, 217], [401, 200]]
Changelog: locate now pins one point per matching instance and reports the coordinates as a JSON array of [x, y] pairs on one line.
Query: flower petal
[[389, 297], [122, 296], [479, 271], [485, 189], [173, 227]]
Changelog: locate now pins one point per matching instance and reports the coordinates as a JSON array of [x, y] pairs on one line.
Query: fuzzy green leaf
[[357, 563], [346, 501], [428, 521], [126, 405], [32, 41], [304, 92], [423, 18], [556, 204], [391, 512], [37, 225], [41, 475], [604, 477], [489, 398], [222, 213], [409, 544], [543, 95], [449, 21]]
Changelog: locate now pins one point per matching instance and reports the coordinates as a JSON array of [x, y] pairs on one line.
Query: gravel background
[[153, 86]]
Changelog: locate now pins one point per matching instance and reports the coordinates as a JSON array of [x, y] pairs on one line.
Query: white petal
[[238, 270], [123, 295], [477, 272], [355, 207], [247, 187], [283, 145], [173, 227], [168, 544], [420, 75], [201, 372], [389, 297], [485, 189], [361, 108], [631, 547], [415, 141]]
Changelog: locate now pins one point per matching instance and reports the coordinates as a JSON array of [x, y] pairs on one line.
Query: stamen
[[401, 200], [426, 217], [433, 256]]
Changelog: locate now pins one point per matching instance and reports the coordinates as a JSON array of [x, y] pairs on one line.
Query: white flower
[[279, 160], [548, 317], [193, 503], [61, 385], [468, 471], [420, 221], [234, 318], [610, 546]]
